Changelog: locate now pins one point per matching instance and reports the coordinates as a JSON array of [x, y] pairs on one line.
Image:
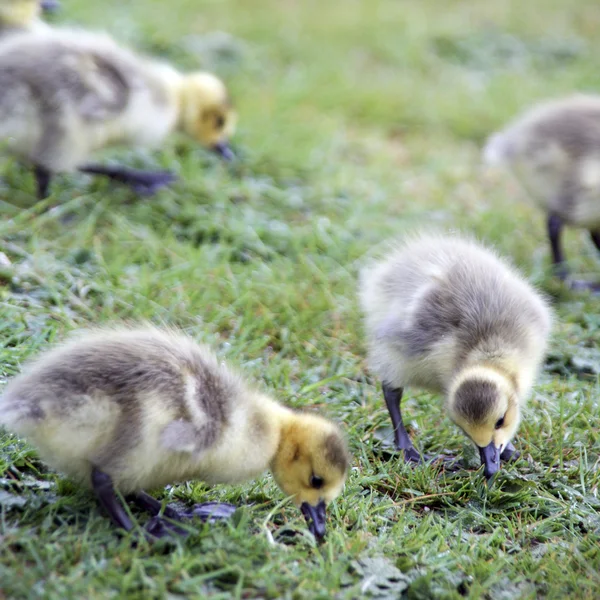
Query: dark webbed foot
[[160, 526], [208, 511], [411, 455], [154, 506], [579, 285], [144, 183], [211, 511], [450, 463]]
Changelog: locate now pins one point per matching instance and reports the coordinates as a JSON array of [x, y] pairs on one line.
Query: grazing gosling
[[554, 149], [21, 15], [448, 315], [130, 409], [65, 94]]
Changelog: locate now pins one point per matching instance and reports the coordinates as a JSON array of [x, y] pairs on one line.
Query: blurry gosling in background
[[448, 315], [554, 149], [23, 15], [135, 409], [67, 93]]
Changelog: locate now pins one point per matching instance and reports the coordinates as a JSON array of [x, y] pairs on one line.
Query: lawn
[[359, 121]]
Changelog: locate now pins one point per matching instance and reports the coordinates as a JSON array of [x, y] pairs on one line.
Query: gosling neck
[[275, 419], [183, 105], [281, 418], [170, 86], [180, 103]]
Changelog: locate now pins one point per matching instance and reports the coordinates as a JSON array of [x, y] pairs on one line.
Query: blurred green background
[[359, 121]]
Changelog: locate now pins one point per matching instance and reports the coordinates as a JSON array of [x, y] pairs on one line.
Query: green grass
[[358, 121]]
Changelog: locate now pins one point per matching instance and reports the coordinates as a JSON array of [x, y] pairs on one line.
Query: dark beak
[[224, 151], [490, 458], [49, 5], [315, 517]]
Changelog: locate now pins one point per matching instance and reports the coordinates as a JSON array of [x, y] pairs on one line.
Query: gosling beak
[[49, 5], [315, 517], [490, 458], [224, 151]]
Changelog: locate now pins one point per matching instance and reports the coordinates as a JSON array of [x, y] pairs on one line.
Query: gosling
[[134, 409], [554, 150], [448, 315], [65, 94]]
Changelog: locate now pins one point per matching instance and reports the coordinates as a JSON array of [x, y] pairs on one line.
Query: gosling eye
[[499, 423], [219, 121], [316, 482]]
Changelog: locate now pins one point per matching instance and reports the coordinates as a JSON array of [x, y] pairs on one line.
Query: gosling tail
[[496, 150]]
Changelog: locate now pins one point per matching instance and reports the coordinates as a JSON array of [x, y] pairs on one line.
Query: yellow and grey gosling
[[66, 93], [135, 409], [448, 315], [554, 150]]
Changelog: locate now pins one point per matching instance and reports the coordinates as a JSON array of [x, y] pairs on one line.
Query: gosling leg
[[42, 178], [595, 235], [392, 397], [105, 492], [157, 526], [555, 226], [144, 183]]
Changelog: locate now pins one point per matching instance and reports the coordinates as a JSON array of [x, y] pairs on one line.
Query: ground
[[359, 121]]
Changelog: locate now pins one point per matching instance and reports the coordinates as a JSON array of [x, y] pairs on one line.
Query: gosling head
[[19, 13], [311, 465], [484, 404], [207, 114]]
